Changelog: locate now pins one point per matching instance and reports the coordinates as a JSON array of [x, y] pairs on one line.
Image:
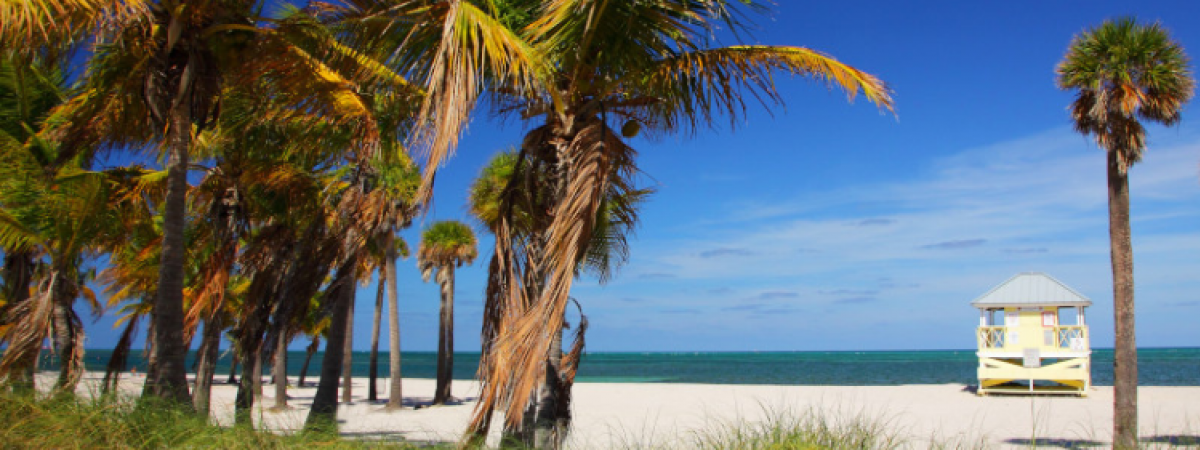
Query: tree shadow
[[427, 402], [1070, 444], [1173, 439]]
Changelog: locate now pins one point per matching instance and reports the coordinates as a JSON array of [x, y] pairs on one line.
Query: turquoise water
[[1156, 367]]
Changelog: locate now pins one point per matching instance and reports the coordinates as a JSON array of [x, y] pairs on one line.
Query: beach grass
[[29, 422], [811, 429]]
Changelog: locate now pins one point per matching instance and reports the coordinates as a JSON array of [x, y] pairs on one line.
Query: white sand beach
[[643, 415]]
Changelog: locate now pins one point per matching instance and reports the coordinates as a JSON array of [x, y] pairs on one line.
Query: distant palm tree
[[1123, 71], [444, 246]]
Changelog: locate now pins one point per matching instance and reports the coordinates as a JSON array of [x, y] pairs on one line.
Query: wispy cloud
[[955, 245], [744, 307], [777, 295], [726, 252], [859, 292], [874, 222], [919, 248], [856, 300]]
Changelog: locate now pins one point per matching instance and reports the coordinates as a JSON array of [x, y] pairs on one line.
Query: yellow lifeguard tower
[[1024, 346]]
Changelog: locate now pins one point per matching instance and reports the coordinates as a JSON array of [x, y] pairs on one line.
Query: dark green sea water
[[1156, 367]]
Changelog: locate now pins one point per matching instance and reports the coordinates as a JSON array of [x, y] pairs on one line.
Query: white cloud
[[940, 238]]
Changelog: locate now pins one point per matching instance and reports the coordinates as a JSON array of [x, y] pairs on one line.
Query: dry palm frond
[[30, 25], [512, 368], [473, 45], [30, 324]]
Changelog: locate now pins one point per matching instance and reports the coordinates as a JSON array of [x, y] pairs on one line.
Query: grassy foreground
[[40, 422], [29, 422]]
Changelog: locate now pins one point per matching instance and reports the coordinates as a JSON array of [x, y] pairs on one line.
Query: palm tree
[[56, 214], [314, 326], [390, 248], [520, 185], [172, 64], [1122, 72], [617, 68], [373, 359], [29, 88], [444, 246], [399, 249]]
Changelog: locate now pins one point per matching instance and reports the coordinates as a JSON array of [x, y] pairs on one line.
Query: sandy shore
[[667, 415]]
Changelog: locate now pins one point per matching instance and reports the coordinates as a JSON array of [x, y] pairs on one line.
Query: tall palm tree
[[444, 246], [373, 358], [390, 247], [1123, 71], [617, 68]]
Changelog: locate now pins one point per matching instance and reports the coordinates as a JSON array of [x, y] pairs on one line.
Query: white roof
[[1031, 289]]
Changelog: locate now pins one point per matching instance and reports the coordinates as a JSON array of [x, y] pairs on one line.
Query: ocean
[[1156, 367]]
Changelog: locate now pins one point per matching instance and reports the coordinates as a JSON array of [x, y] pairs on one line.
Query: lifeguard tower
[[1024, 347]]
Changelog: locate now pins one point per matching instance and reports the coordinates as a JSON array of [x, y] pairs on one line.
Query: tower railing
[[1062, 337]]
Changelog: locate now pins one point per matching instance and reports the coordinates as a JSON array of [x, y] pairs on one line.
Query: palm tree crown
[[1124, 71], [444, 244]]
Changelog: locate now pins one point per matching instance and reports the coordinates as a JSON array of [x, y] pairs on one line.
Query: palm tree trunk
[[312, 349], [547, 418], [1125, 423], [18, 276], [257, 374], [372, 392], [323, 415], [445, 367], [168, 380], [348, 356], [149, 353], [206, 367], [243, 403], [120, 356], [280, 370], [233, 368], [68, 335], [395, 393]]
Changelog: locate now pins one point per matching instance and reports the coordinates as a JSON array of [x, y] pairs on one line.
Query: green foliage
[[484, 194], [27, 422], [1123, 71], [448, 242]]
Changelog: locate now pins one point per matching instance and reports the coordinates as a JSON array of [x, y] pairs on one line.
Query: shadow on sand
[[1070, 444]]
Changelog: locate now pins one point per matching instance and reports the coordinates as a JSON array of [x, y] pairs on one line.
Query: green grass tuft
[[28, 422], [801, 431]]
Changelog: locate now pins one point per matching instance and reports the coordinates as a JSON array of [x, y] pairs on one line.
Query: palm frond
[[33, 24], [685, 91], [14, 236], [473, 47]]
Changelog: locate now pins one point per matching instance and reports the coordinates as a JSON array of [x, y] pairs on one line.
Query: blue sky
[[831, 226]]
